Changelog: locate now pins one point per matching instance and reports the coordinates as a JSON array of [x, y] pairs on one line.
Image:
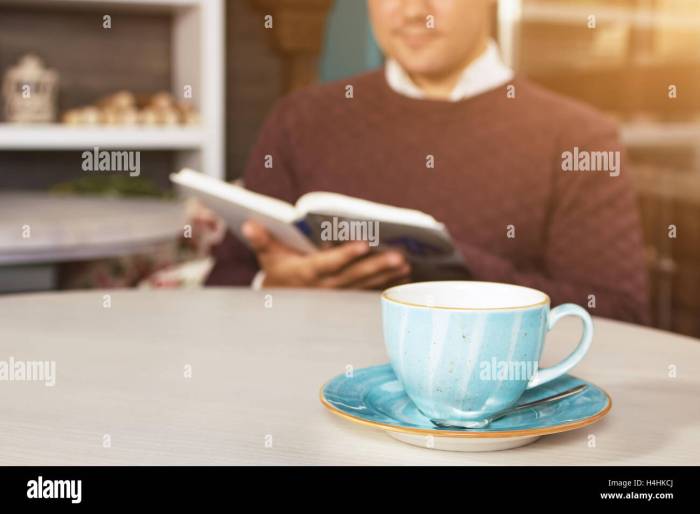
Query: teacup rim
[[545, 301]]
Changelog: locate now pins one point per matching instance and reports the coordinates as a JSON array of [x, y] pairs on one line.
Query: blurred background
[[189, 83]]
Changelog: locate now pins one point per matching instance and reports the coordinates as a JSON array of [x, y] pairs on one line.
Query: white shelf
[[644, 134], [61, 137], [578, 14], [130, 4]]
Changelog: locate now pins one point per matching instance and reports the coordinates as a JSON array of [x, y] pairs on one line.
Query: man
[[504, 181]]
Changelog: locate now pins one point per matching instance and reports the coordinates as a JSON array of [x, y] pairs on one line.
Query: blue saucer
[[373, 396]]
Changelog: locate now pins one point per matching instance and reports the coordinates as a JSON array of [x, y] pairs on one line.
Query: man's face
[[430, 37]]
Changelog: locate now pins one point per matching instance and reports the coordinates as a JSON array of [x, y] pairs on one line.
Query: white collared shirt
[[486, 72]]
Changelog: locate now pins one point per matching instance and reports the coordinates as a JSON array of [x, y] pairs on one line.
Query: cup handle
[[544, 375]]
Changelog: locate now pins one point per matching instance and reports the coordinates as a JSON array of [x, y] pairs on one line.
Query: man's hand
[[331, 268]]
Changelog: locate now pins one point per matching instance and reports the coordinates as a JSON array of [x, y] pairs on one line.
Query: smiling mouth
[[417, 39]]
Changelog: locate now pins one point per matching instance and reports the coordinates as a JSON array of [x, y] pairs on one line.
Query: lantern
[[30, 90]]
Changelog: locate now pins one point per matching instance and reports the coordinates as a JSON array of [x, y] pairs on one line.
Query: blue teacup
[[465, 351]]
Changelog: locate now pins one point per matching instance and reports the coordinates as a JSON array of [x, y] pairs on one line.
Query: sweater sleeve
[[593, 253], [269, 172]]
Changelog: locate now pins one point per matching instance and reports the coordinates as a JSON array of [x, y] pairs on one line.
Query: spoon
[[481, 423]]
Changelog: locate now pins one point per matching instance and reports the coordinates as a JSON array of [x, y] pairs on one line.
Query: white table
[[41, 228], [253, 394]]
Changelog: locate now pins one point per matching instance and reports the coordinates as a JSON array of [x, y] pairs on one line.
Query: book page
[[346, 206]]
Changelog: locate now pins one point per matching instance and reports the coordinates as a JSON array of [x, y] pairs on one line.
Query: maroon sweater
[[498, 166]]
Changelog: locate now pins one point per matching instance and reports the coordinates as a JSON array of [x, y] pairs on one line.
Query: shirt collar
[[485, 73]]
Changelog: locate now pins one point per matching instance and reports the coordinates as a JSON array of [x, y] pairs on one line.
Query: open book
[[319, 219]]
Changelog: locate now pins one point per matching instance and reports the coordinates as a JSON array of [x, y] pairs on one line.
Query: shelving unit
[[578, 13], [630, 46], [512, 13], [197, 60]]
